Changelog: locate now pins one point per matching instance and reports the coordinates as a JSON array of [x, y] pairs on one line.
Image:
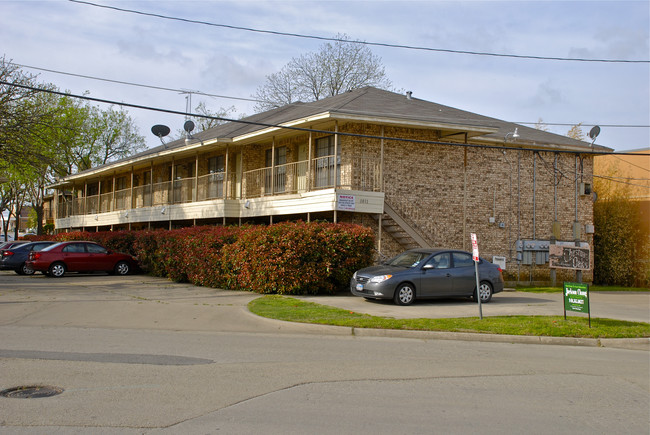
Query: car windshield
[[408, 259]]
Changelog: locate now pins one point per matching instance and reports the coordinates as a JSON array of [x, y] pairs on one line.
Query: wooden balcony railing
[[323, 173]]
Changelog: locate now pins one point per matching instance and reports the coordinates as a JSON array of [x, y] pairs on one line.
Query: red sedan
[[78, 256]]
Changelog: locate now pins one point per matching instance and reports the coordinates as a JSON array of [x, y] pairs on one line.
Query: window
[[325, 167], [120, 183], [74, 247], [216, 164], [146, 178], [439, 261], [96, 249], [463, 260], [216, 168], [407, 259]]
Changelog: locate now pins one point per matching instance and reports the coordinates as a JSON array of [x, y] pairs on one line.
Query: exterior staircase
[[403, 231]]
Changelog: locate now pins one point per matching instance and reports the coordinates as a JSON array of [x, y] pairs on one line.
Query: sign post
[[476, 259], [576, 298]]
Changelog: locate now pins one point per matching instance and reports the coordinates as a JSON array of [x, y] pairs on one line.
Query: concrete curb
[[313, 328]]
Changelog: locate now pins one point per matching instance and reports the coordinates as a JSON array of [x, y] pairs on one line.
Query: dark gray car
[[427, 273], [14, 258]]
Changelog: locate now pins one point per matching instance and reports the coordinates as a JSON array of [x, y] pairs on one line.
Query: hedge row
[[285, 258]]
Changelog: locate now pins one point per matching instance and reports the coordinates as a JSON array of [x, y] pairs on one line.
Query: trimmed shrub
[[285, 258], [296, 258]]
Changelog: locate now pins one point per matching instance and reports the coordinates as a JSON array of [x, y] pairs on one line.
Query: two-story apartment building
[[418, 173]]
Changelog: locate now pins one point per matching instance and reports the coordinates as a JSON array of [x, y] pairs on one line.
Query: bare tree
[[576, 132], [336, 68]]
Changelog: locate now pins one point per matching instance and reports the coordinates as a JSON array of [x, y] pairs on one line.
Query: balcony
[[269, 184]]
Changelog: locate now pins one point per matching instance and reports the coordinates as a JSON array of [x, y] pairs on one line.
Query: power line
[[374, 44], [612, 179], [180, 91], [566, 124], [632, 164], [302, 129], [121, 82]]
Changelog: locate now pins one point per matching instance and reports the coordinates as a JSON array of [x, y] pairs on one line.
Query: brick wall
[[452, 191]]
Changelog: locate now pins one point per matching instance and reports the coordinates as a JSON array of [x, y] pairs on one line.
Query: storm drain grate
[[31, 392]]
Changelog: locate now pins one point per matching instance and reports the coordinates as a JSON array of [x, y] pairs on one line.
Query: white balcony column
[[241, 175], [112, 207], [132, 179], [309, 182], [381, 162], [273, 167], [172, 191], [226, 181], [85, 197], [336, 160], [150, 188], [195, 195]]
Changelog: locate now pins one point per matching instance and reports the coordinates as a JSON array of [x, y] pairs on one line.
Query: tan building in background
[[633, 169]]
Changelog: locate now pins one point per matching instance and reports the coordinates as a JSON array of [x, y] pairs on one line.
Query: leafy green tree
[[336, 68], [44, 136]]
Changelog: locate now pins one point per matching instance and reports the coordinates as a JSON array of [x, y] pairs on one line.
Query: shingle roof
[[371, 102]]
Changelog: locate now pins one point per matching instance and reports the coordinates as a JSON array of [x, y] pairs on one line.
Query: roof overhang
[[306, 123]]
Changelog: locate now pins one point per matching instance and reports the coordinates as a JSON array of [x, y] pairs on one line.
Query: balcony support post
[[151, 188], [381, 165], [112, 204], [131, 201], [336, 159], [195, 195], [273, 168], [309, 180], [226, 178]]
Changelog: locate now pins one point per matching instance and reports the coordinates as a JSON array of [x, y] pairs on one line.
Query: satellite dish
[[594, 132], [160, 130], [188, 126]]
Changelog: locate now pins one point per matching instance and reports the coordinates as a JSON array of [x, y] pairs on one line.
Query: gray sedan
[[427, 273]]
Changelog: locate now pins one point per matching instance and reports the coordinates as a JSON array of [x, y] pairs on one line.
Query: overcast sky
[[88, 40]]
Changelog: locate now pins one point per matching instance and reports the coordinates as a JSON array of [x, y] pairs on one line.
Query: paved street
[[143, 355]]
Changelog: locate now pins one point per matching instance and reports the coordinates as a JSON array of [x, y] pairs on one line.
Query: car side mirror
[[428, 266]]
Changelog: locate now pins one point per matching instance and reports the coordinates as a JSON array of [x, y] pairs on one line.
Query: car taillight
[[7, 253], [34, 255]]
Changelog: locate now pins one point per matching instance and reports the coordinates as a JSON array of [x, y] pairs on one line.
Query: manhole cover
[[31, 392]]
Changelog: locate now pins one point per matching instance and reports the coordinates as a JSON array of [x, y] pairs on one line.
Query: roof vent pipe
[[408, 95]]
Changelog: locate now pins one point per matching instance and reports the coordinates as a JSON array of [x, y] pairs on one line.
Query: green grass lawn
[[295, 310]]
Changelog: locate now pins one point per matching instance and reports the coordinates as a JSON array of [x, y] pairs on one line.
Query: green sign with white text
[[576, 297]]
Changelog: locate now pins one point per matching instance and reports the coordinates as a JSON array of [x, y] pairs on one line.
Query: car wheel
[[57, 270], [485, 291], [24, 270], [122, 268], [404, 294]]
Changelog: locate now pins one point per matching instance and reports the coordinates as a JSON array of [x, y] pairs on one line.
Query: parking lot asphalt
[[140, 301]]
